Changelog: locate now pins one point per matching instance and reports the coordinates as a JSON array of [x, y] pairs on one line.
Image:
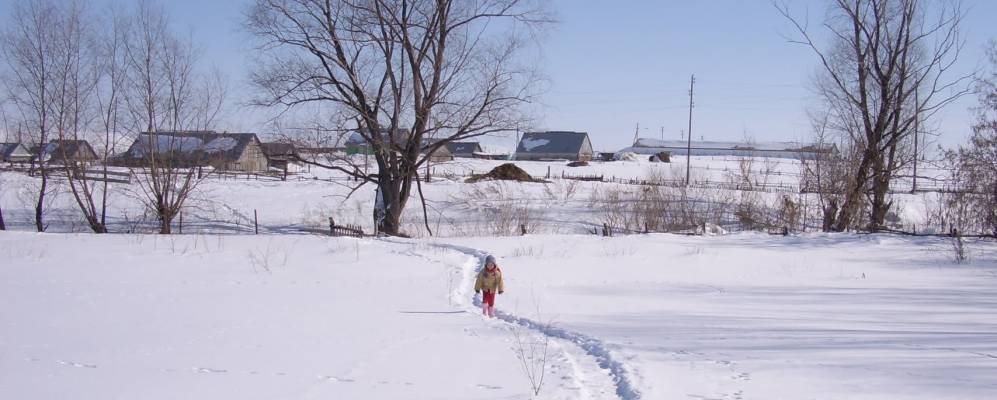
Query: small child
[[489, 281]]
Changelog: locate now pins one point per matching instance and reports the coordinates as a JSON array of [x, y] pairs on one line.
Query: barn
[[792, 150], [555, 145], [224, 151]]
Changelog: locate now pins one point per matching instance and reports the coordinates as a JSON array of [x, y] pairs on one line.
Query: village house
[[58, 151], [464, 149], [240, 152], [554, 145], [14, 153], [355, 144]]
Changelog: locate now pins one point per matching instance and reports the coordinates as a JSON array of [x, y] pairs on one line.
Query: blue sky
[[614, 64]]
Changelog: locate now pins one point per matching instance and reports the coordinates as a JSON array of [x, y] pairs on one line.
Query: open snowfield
[[745, 316], [454, 208]]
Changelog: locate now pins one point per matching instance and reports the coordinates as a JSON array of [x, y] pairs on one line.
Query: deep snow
[[745, 316]]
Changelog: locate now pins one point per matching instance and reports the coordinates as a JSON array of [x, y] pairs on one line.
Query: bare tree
[[888, 66], [77, 76], [165, 92], [29, 47], [112, 80], [408, 76], [976, 163]]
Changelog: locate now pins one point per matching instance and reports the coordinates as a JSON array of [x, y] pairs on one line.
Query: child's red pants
[[488, 298]]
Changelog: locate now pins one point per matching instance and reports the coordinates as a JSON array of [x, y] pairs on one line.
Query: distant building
[[14, 153], [464, 149], [279, 155], [61, 150], [555, 145], [793, 150], [223, 151], [356, 144]]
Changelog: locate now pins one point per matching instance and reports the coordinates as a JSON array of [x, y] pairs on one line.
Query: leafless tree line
[[73, 73]]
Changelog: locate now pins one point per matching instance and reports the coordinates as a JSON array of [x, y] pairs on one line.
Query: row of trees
[[887, 68], [74, 73]]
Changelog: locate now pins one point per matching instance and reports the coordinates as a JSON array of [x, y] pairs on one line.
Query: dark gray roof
[[464, 147], [193, 146], [273, 149], [554, 142], [79, 149]]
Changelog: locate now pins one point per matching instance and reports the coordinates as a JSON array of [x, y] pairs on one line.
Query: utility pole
[[636, 132], [688, 149], [917, 123], [662, 134]]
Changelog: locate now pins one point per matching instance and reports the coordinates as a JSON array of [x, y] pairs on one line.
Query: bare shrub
[[959, 254], [267, 258], [531, 351]]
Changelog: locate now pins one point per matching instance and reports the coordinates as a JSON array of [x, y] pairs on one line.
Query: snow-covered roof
[[554, 142], [725, 145], [190, 146], [71, 148], [464, 147], [13, 150]]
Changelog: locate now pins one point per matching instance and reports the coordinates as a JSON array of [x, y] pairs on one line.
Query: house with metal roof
[[555, 145], [223, 151], [464, 149], [14, 153], [792, 150], [58, 151]]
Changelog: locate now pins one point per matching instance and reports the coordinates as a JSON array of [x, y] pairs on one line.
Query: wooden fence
[[345, 230]]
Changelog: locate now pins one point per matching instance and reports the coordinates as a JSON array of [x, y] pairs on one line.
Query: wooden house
[[59, 151], [240, 152]]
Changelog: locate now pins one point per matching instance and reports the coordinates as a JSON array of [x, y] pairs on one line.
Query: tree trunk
[[40, 206], [830, 212], [3, 226], [852, 198], [880, 188]]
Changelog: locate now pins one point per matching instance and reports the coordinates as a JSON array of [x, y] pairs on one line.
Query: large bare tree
[[29, 46], [407, 76], [888, 65], [166, 92]]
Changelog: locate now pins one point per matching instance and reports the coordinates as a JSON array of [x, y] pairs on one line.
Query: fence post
[[332, 227], [256, 223], [548, 172]]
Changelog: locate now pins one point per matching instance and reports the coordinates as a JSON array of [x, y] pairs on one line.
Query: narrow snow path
[[591, 346]]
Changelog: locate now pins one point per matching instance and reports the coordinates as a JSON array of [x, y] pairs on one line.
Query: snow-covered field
[[306, 201], [746, 316], [219, 313]]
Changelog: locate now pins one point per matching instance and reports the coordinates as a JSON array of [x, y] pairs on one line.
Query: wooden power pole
[[917, 127], [688, 149]]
